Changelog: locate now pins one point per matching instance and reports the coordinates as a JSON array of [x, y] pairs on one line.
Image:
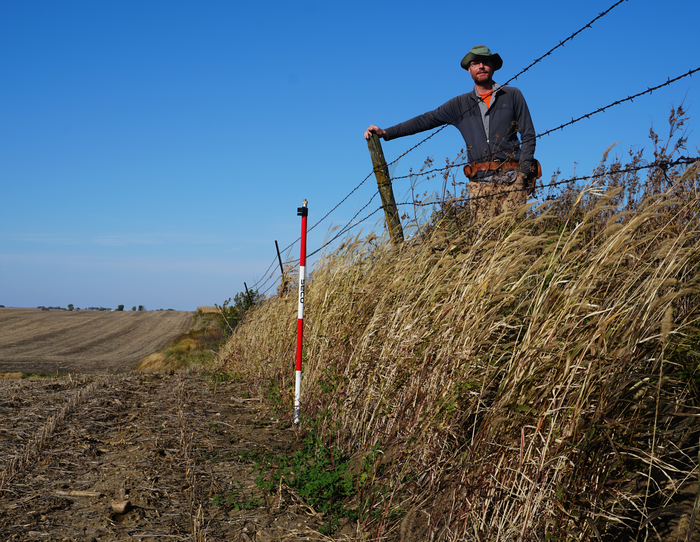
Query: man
[[501, 172]]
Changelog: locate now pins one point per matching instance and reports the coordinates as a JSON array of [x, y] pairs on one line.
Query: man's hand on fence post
[[374, 130]]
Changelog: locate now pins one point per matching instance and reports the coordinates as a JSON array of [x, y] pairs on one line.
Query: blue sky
[[152, 152]]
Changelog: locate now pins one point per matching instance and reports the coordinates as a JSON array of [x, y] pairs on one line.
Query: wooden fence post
[[381, 172], [283, 281], [247, 293]]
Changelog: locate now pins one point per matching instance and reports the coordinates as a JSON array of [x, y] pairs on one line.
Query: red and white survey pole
[[303, 212]]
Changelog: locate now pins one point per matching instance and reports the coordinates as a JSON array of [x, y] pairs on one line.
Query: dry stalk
[[523, 374], [34, 446]]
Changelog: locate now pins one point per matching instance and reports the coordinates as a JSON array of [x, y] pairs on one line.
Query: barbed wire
[[342, 201], [347, 227], [260, 283], [255, 285], [663, 164], [341, 232], [312, 227], [561, 43], [658, 163], [650, 90], [268, 289], [535, 62], [618, 102], [561, 126], [524, 70]]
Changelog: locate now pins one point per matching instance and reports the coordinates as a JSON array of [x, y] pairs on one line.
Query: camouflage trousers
[[505, 192]]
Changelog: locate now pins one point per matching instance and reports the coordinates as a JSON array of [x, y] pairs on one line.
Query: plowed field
[[104, 457], [36, 341], [145, 457]]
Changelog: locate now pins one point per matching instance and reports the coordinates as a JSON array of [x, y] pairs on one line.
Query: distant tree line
[[72, 307]]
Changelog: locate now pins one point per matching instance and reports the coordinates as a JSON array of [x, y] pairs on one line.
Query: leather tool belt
[[470, 170]]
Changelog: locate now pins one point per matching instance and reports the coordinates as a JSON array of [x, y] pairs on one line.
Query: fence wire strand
[[664, 164], [535, 62], [561, 126], [268, 276]]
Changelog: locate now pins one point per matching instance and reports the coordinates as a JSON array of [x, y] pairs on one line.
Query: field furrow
[[36, 341], [145, 457]]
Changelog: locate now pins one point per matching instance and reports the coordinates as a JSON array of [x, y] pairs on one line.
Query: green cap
[[483, 52]]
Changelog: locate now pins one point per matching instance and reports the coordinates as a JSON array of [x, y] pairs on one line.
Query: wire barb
[[350, 225]]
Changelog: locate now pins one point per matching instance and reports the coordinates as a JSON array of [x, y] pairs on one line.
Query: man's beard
[[482, 78]]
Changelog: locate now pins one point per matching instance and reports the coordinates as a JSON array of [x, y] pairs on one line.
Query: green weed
[[235, 499], [319, 475]]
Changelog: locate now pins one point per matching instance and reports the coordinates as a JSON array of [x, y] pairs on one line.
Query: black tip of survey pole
[[303, 211]]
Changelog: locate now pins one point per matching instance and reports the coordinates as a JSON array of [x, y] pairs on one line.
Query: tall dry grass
[[535, 378]]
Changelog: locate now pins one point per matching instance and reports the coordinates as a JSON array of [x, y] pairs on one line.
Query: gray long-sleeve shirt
[[489, 134]]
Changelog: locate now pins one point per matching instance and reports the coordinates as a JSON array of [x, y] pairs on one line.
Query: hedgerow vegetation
[[532, 378]]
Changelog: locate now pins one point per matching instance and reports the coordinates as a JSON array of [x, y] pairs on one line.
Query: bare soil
[[61, 342], [107, 454], [176, 447]]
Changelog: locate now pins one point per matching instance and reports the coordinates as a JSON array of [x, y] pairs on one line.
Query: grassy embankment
[[196, 347], [535, 378]]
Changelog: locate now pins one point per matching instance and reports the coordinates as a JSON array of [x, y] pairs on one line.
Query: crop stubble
[[169, 444]]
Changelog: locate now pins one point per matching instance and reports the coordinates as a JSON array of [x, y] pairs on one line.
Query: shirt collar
[[494, 90]]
